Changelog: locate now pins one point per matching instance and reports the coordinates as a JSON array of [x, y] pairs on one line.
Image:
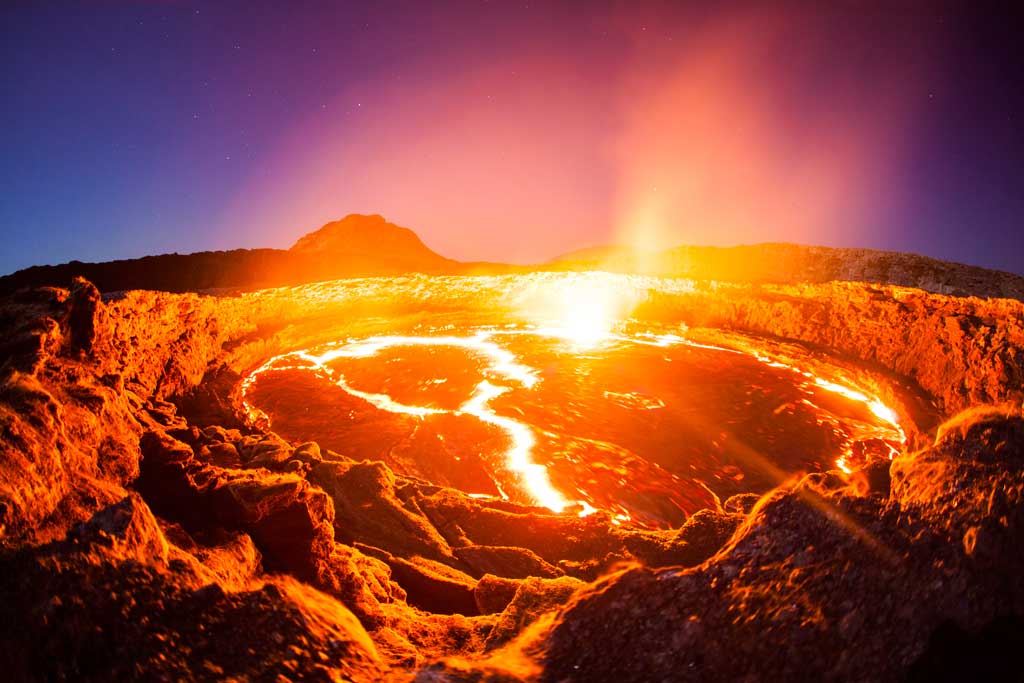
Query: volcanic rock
[[106, 603], [269, 453], [534, 597], [510, 562], [83, 303], [368, 511], [708, 530], [222, 454], [141, 540], [125, 530], [433, 586], [369, 239], [494, 593], [830, 568]]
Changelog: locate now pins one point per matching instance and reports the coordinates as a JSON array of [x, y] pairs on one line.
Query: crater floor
[[648, 427]]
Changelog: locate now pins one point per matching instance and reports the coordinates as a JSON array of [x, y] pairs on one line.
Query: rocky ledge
[[148, 534]]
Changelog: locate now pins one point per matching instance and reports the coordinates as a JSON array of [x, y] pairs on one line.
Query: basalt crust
[[147, 533]]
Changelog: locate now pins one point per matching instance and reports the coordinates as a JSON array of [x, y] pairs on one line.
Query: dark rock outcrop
[[356, 245], [370, 240], [821, 584], [117, 600]]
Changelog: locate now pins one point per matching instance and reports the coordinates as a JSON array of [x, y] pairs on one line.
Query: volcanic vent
[[440, 478]]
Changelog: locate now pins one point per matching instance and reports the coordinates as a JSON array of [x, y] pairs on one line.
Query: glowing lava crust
[[587, 443]]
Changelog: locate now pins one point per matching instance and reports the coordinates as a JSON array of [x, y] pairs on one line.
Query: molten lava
[[501, 365], [573, 412]]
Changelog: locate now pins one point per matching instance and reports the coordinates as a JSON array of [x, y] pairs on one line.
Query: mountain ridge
[[787, 262], [368, 245], [356, 245]]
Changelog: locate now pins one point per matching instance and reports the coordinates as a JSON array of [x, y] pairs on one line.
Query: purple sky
[[510, 131]]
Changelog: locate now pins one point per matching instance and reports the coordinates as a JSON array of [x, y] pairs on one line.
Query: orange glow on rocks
[[501, 365], [585, 316]]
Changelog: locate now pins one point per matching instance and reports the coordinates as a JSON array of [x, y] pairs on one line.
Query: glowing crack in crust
[[872, 403], [502, 364], [583, 310], [506, 369]]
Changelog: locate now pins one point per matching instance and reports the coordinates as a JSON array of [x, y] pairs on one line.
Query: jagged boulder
[[369, 511], [124, 530]]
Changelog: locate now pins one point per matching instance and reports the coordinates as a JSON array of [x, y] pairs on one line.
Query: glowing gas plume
[[725, 145]]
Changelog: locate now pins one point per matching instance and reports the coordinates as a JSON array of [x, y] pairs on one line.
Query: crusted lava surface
[[149, 532]]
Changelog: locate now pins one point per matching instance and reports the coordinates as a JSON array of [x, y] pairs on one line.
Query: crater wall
[[405, 574]]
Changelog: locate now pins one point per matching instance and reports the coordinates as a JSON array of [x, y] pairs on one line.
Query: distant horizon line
[[548, 261]]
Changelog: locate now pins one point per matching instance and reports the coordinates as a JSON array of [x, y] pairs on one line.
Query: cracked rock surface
[[147, 533]]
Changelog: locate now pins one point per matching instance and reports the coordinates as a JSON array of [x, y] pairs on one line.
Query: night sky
[[510, 131]]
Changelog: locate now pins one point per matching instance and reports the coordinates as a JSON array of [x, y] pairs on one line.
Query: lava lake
[[647, 427]]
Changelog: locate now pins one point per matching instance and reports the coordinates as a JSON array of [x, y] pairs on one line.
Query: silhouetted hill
[[360, 245], [368, 239], [356, 245]]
